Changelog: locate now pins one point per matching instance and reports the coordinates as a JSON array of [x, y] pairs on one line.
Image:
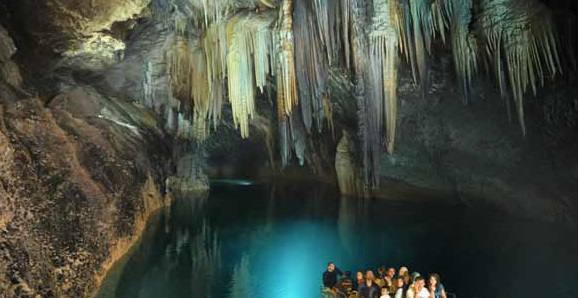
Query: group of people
[[385, 284]]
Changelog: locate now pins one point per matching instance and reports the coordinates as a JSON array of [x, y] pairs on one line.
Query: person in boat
[[380, 279], [359, 280], [384, 292], [436, 288], [417, 289], [381, 272], [404, 273], [390, 273], [369, 288], [388, 277], [331, 275], [403, 270], [399, 287], [345, 284]]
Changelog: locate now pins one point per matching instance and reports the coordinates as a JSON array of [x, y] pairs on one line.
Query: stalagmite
[[346, 167]]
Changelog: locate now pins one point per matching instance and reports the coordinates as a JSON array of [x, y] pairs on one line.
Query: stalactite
[[286, 56], [311, 65], [239, 53], [368, 114], [464, 44], [520, 34], [384, 60], [148, 85], [332, 23], [418, 22], [283, 123], [189, 81], [249, 42], [215, 47]]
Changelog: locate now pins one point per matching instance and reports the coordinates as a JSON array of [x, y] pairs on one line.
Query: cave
[[288, 148]]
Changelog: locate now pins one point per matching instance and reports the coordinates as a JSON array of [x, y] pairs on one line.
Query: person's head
[[414, 276], [390, 272], [347, 274], [419, 283], [384, 291], [369, 275], [406, 278], [359, 275], [434, 279], [381, 271], [399, 282], [403, 271], [330, 267]]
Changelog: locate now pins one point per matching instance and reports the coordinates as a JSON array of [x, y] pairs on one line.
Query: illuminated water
[[261, 241]]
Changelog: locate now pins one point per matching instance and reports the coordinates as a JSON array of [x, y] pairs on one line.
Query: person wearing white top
[[417, 289]]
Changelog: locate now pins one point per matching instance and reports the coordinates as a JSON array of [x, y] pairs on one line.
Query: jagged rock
[[67, 25], [189, 176], [101, 181]]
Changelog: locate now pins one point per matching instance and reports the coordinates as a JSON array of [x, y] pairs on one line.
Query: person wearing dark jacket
[[369, 288], [345, 284], [330, 276]]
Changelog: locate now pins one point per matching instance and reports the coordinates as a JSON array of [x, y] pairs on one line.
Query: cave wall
[[80, 172], [477, 154]]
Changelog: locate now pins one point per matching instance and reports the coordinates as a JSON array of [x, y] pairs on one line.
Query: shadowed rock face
[[75, 189], [475, 153], [79, 175]]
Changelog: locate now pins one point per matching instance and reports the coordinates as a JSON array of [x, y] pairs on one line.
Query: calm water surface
[[265, 241]]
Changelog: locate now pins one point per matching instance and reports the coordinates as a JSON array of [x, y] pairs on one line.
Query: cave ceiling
[[228, 51]]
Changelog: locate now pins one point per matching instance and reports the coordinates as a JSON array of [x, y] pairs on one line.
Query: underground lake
[[268, 240]]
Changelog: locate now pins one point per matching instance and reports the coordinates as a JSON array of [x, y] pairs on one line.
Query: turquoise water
[[248, 240]]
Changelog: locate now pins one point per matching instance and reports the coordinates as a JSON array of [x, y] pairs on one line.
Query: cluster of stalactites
[[238, 51], [418, 23], [464, 44], [311, 64], [516, 38], [521, 46], [189, 82], [250, 51], [300, 44]]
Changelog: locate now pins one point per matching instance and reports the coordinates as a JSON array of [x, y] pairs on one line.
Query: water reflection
[[274, 241]]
